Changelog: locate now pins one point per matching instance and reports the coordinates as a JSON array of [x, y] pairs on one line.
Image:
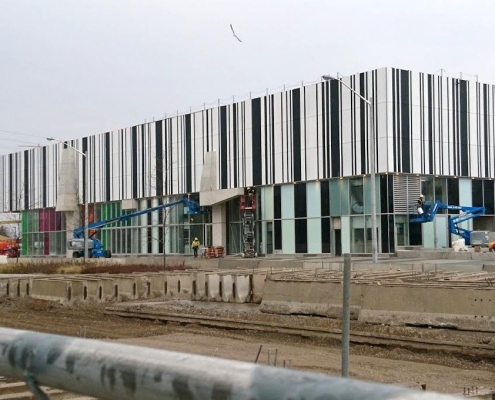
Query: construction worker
[[491, 246], [195, 246], [421, 202]]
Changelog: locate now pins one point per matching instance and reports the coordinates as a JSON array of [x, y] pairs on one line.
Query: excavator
[[427, 211], [95, 247]]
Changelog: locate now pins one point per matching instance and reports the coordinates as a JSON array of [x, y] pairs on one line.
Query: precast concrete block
[[226, 288], [4, 284], [212, 287], [199, 286], [126, 287], [50, 289], [178, 285], [22, 287], [308, 297], [92, 286], [107, 290], [242, 289], [76, 290], [156, 285], [258, 287]]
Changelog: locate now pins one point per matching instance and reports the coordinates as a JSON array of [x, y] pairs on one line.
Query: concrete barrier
[[199, 286], [50, 289], [308, 298], [432, 306], [178, 285], [212, 287], [258, 287]]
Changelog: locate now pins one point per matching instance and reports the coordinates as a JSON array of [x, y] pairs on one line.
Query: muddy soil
[[440, 372]]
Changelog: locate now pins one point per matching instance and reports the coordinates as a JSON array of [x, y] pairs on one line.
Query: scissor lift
[[248, 209]]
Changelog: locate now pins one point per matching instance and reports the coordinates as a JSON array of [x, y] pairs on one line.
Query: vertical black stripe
[[85, 146], [256, 140], [235, 133], [296, 129], [277, 202], [44, 177], [123, 165], [486, 126], [142, 178], [223, 147], [108, 172], [464, 144], [273, 136], [431, 110], [323, 128], [11, 181], [159, 156], [362, 122], [305, 138], [300, 200], [207, 130], [325, 235], [405, 119], [335, 127], [26, 179], [265, 106], [394, 120], [301, 235], [188, 155], [134, 174], [277, 232]]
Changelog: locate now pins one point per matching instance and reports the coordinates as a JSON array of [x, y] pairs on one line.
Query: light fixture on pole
[[86, 193], [374, 244]]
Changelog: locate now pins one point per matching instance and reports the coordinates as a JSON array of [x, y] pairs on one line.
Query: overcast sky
[[73, 68]]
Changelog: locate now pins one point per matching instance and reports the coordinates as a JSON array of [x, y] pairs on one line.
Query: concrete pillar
[[154, 231], [72, 221], [67, 193], [143, 221], [219, 225]]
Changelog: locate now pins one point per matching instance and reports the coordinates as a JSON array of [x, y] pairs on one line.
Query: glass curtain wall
[[42, 234]]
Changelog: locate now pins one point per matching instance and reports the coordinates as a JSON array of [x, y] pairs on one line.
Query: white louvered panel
[[407, 189]]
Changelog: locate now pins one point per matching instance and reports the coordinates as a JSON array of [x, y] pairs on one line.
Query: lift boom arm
[[193, 208], [468, 212]]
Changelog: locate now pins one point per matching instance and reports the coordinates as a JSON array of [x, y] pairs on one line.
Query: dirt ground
[[440, 372]]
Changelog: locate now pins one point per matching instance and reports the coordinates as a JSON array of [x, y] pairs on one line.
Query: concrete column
[[154, 231], [72, 221], [143, 220], [219, 225]]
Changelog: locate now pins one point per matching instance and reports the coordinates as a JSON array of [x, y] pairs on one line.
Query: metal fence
[[116, 371]]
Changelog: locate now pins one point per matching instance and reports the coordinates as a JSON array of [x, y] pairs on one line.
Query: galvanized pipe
[[346, 315], [116, 371]]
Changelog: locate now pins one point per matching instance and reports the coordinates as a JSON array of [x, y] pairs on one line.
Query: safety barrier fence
[[108, 370]]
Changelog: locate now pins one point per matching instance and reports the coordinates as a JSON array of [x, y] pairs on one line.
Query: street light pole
[[86, 194], [374, 244]]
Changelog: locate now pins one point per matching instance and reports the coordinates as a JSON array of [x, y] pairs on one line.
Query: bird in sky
[[232, 28]]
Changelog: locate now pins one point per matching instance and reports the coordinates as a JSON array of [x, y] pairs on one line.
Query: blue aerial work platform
[[465, 213]]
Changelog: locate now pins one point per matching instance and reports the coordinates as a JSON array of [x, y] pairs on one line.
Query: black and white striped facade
[[424, 124]]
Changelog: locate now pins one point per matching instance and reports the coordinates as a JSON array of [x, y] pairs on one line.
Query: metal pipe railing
[[117, 371]]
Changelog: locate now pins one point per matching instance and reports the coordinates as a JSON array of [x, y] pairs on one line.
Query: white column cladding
[[143, 221], [219, 225], [154, 231]]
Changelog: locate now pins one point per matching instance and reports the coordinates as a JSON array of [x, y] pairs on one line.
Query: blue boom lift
[[466, 213], [95, 247]]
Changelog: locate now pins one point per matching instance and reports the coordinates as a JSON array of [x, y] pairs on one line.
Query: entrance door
[[208, 235]]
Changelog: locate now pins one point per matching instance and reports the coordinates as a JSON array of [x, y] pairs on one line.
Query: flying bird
[[237, 37]]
